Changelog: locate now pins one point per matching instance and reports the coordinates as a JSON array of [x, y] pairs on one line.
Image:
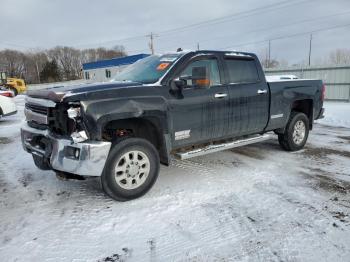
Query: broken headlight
[[73, 112], [79, 134]]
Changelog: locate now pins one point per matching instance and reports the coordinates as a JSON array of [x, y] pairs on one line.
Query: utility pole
[[197, 46], [151, 44], [269, 53], [310, 47]]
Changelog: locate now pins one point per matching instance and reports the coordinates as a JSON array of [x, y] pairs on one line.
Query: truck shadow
[[259, 150]]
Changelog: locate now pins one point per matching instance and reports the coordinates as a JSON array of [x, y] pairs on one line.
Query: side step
[[219, 147]]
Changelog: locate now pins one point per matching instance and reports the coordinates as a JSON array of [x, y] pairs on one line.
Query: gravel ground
[[255, 203]]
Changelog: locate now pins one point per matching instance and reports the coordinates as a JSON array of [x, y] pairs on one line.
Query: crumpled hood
[[58, 93]]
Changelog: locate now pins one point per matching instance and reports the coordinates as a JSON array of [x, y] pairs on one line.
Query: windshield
[[147, 70]]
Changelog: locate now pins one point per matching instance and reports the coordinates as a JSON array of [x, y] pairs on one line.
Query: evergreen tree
[[50, 72]]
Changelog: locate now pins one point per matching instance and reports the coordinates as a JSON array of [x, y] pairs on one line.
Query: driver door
[[200, 113]]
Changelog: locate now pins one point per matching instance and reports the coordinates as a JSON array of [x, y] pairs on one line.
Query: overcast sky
[[27, 24]]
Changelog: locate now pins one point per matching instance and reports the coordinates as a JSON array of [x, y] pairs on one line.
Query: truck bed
[[284, 92]]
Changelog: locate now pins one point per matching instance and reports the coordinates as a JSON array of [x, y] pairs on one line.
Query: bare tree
[[89, 55], [13, 62], [266, 61], [65, 57], [69, 61], [340, 56], [35, 62]]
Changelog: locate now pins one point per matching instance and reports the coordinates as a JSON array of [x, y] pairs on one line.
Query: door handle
[[262, 91], [220, 95]]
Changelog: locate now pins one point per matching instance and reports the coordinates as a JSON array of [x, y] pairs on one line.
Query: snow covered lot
[[254, 203]]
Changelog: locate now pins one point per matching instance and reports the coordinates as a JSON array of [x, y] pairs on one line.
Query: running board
[[219, 147]]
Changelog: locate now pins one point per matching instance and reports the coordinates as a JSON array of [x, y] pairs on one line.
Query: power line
[[280, 26], [112, 41], [287, 36], [270, 28], [236, 16], [227, 18]]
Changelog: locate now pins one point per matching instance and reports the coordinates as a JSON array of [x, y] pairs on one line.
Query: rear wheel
[[131, 169], [296, 133]]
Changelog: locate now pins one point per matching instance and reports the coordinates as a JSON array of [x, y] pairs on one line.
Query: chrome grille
[[37, 108], [38, 118]]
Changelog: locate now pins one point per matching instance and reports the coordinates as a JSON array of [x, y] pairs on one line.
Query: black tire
[[286, 140], [108, 179]]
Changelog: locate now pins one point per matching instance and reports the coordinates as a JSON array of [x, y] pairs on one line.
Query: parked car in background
[[281, 77], [7, 105], [6, 92]]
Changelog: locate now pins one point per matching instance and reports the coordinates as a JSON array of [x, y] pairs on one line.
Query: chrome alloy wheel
[[299, 132], [132, 170]]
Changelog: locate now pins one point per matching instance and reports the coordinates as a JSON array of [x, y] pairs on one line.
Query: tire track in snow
[[227, 224], [318, 220], [192, 167], [235, 212]]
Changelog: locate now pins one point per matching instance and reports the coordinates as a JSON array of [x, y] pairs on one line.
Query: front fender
[[99, 113]]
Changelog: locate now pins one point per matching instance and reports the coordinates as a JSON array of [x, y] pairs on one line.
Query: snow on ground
[[337, 114], [255, 203]]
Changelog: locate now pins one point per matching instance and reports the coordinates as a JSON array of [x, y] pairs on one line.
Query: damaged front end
[[56, 136], [77, 127]]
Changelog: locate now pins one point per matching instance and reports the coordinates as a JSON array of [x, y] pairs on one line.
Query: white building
[[104, 70]]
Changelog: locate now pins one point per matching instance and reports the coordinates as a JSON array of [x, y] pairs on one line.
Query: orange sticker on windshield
[[162, 66]]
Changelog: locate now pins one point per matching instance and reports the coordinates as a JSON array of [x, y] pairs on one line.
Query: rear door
[[248, 95], [200, 114]]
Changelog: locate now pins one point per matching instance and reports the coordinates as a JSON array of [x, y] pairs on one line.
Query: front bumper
[[86, 159]]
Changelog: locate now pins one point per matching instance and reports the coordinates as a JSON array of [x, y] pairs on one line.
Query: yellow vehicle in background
[[16, 85]]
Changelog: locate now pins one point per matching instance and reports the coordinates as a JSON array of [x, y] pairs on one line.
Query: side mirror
[[177, 84]]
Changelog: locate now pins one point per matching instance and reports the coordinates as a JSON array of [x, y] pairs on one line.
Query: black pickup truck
[[182, 104]]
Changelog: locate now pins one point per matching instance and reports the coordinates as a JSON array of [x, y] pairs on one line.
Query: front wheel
[[131, 169], [296, 132]]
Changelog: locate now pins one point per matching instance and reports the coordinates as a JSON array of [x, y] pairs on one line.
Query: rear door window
[[242, 70]]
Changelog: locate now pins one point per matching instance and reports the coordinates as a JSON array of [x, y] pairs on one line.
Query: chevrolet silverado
[[182, 104]]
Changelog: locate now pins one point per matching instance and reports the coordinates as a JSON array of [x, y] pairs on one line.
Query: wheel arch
[[148, 127], [304, 106]]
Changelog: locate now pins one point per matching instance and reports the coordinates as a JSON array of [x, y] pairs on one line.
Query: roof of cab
[[227, 53]]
